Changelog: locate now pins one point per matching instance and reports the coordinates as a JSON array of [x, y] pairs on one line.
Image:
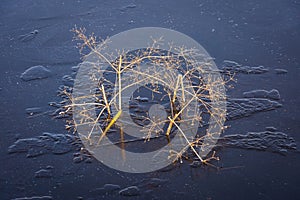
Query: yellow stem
[[112, 122], [120, 86], [105, 101]]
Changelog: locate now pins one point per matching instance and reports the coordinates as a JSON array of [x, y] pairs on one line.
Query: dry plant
[[175, 93]]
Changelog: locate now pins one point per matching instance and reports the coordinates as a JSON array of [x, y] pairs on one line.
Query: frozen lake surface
[[259, 152]]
